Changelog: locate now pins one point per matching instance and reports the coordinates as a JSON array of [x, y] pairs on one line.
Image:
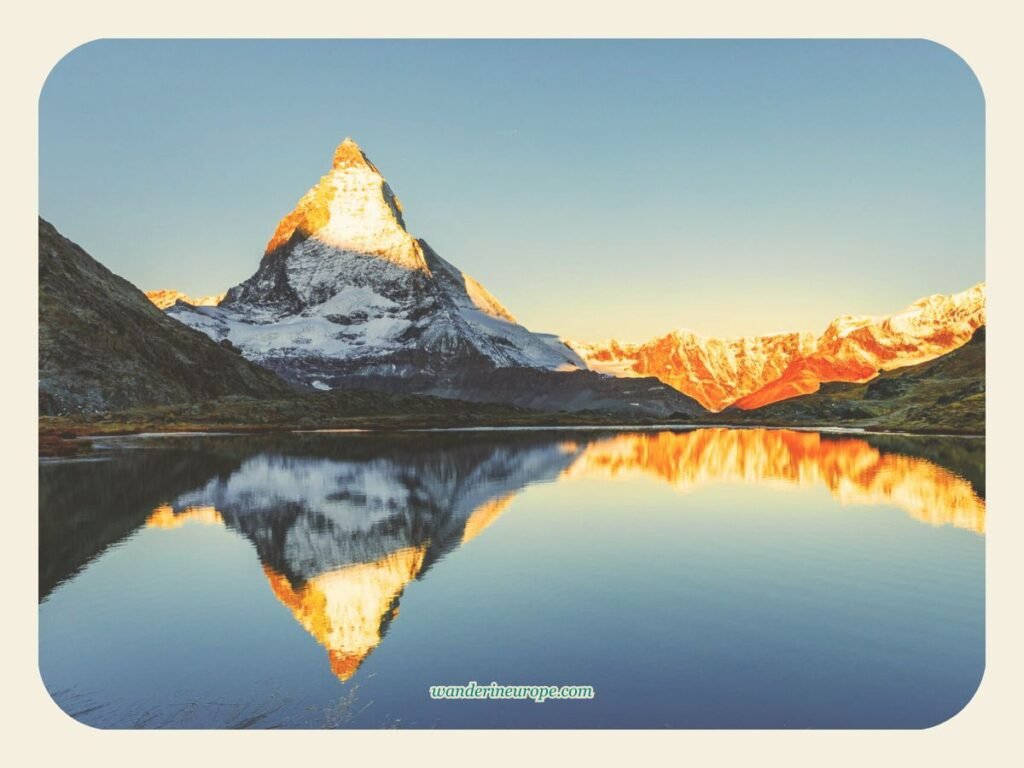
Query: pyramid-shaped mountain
[[346, 297], [343, 289]]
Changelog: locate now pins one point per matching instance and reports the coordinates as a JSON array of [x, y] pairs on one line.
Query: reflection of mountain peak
[[340, 536], [339, 539], [347, 610]]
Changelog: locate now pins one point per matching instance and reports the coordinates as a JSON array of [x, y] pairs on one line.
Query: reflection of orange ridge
[[346, 609], [853, 470], [165, 517]]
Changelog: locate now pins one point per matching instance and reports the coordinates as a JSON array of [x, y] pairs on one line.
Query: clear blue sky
[[598, 188]]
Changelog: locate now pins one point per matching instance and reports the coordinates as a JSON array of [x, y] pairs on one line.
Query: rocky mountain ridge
[[104, 346], [752, 372]]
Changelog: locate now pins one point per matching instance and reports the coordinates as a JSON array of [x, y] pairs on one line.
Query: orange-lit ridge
[[168, 298], [756, 371], [348, 609], [484, 515]]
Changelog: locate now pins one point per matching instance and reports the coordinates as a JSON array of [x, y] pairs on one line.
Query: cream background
[[984, 33]]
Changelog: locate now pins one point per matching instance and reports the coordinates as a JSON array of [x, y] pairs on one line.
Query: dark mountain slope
[[104, 346]]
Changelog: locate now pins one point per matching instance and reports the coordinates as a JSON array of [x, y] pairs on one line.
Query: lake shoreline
[[64, 437]]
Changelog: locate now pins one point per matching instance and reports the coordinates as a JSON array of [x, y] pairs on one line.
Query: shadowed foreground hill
[[103, 345], [944, 394]]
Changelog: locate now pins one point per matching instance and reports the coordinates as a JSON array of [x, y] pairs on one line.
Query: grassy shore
[[68, 435], [63, 435]]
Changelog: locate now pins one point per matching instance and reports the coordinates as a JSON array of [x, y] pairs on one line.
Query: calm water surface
[[709, 578]]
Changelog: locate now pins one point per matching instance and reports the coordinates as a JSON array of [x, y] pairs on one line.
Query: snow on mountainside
[[344, 290], [168, 298], [753, 372], [856, 349]]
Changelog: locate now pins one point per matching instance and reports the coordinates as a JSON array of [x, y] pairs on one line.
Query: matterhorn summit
[[345, 296]]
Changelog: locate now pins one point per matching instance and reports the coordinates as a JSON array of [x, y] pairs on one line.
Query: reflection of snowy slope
[[507, 470], [267, 483], [309, 515]]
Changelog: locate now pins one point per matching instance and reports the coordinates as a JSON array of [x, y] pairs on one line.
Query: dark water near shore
[[714, 578]]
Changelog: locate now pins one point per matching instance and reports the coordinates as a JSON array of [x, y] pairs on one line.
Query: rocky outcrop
[[104, 346]]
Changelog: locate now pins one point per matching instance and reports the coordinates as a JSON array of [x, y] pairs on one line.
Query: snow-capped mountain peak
[[352, 208], [344, 290], [349, 154]]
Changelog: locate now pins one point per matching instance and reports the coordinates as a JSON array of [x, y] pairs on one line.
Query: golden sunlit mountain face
[[753, 372], [352, 208], [854, 471]]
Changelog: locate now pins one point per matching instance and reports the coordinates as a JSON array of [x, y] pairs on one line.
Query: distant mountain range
[[345, 298], [755, 371], [165, 299]]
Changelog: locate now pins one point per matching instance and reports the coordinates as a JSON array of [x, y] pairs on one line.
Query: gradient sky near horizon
[[597, 188]]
